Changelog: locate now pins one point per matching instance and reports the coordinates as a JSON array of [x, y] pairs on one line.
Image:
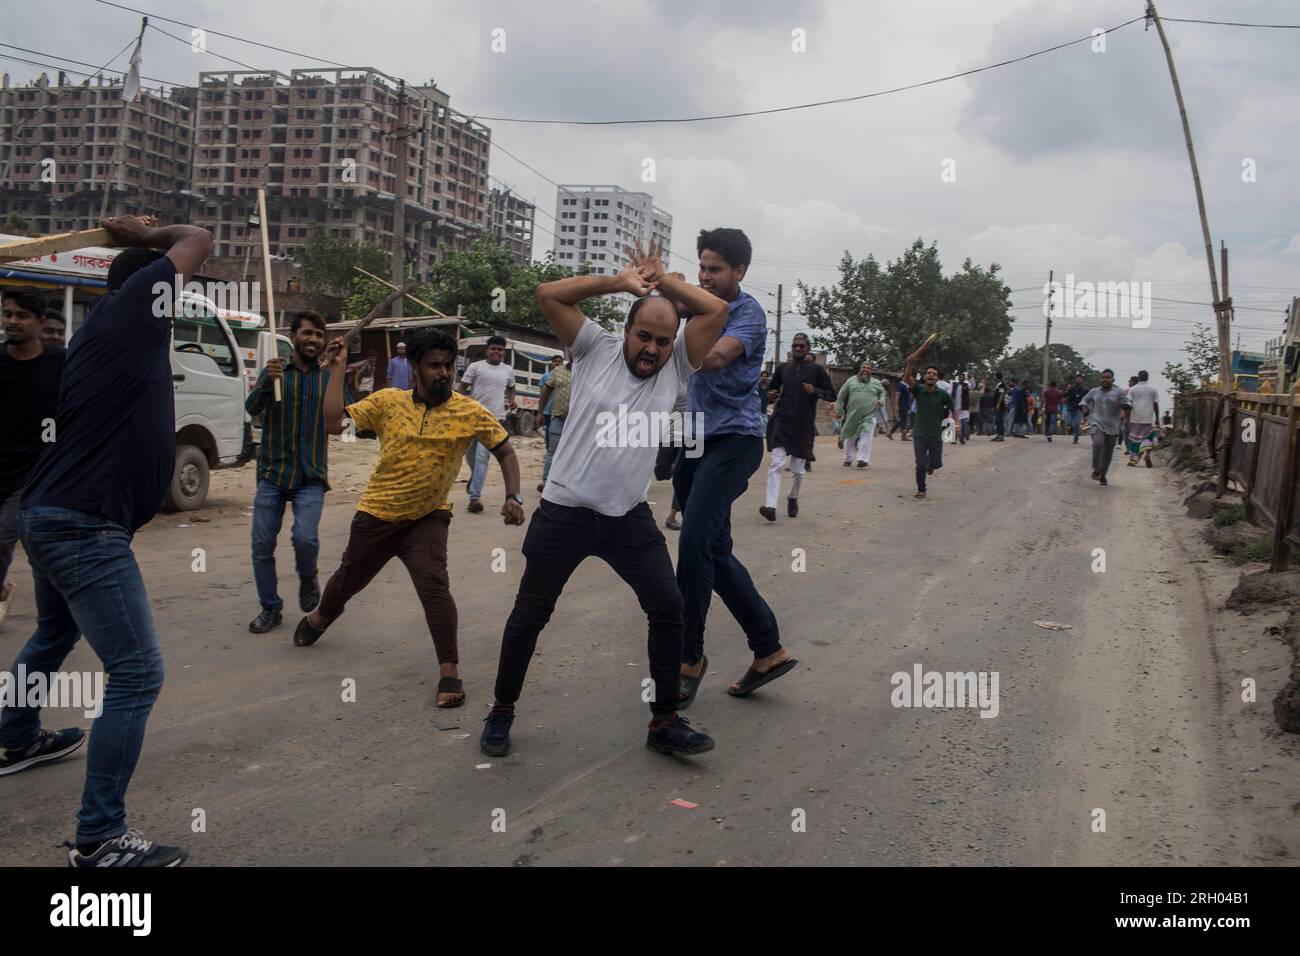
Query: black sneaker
[[792, 507], [265, 621], [475, 506], [304, 635], [847, 464], [308, 593], [495, 739], [49, 745], [1101, 480], [862, 464], [130, 849], [674, 736], [768, 513]]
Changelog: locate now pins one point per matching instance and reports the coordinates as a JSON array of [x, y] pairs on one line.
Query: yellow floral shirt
[[420, 449]]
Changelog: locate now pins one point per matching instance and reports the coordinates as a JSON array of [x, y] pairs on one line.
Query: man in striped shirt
[[290, 466]]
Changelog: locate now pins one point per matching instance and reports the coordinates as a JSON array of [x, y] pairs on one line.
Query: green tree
[[328, 261], [882, 314], [1026, 364], [16, 225], [1202, 366], [489, 286]]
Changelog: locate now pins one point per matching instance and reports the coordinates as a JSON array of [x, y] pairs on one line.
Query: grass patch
[[1229, 515], [1259, 549]]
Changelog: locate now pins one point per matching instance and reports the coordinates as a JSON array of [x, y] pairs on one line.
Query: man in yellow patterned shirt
[[405, 510]]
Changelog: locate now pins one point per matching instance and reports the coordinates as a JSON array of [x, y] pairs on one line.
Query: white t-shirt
[[1143, 397], [488, 384], [616, 425]]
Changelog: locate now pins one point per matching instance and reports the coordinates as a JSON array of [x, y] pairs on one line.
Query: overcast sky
[[1072, 161]]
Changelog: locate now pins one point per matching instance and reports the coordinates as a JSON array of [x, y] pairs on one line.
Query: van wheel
[[189, 487], [525, 424]]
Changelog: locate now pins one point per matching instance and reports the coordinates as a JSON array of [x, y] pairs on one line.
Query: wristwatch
[[517, 499]]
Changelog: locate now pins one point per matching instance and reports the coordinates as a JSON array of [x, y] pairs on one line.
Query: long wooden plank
[[59, 242], [380, 307], [432, 310]]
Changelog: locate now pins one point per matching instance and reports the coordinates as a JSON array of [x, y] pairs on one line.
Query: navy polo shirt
[[115, 432]]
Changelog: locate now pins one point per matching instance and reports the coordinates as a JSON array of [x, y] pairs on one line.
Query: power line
[[805, 106], [219, 56], [228, 36], [1234, 23]]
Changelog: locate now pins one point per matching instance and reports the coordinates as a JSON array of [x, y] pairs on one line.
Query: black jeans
[[706, 487], [559, 539], [929, 457]]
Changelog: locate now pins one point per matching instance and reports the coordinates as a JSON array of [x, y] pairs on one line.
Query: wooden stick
[[365, 320], [266, 265], [58, 242], [371, 275]]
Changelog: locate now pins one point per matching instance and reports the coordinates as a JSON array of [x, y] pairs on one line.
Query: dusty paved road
[[1127, 712]]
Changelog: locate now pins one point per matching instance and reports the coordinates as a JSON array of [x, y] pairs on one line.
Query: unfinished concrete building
[[325, 144], [59, 150]]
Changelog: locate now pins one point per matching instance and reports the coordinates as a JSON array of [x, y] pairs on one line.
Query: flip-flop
[[753, 679], [451, 685], [691, 685]]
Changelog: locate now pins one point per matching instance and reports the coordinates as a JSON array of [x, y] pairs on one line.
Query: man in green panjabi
[[855, 407]]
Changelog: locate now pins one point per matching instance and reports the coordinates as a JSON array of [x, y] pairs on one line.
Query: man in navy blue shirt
[[102, 479], [731, 450]]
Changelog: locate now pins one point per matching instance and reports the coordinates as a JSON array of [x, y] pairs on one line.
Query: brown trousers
[[421, 545]]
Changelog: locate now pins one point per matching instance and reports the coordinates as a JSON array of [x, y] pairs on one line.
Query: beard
[[438, 392]]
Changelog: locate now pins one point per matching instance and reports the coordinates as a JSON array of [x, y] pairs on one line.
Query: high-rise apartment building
[[60, 145], [595, 223]]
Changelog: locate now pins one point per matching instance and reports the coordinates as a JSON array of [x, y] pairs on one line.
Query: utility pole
[[116, 180], [1047, 332], [776, 359], [399, 200], [1221, 309]]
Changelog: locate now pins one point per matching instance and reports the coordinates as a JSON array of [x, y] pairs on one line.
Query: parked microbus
[[530, 363]]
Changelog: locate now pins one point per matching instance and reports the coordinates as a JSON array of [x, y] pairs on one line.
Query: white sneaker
[[4, 602]]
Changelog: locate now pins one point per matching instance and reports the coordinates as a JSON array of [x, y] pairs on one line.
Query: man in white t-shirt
[[620, 403], [1141, 438], [491, 383]]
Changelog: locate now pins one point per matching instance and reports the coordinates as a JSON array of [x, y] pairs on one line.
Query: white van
[[210, 383]]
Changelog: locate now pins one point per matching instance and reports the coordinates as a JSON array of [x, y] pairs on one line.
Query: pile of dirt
[[1228, 539], [1286, 705], [1264, 588]]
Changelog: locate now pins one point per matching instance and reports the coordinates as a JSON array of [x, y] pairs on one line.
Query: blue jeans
[[87, 582], [1049, 424], [1002, 422], [268, 513], [553, 432], [1074, 421], [476, 456], [706, 487]]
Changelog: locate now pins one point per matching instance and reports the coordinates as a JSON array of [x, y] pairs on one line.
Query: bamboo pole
[[266, 269], [58, 242]]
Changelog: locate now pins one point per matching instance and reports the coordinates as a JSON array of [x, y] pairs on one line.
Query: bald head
[[651, 330]]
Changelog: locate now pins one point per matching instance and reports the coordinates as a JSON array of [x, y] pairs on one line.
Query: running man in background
[[1104, 407], [903, 392], [1073, 413], [855, 408], [1145, 412], [491, 383], [795, 388], [1051, 408], [933, 405]]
